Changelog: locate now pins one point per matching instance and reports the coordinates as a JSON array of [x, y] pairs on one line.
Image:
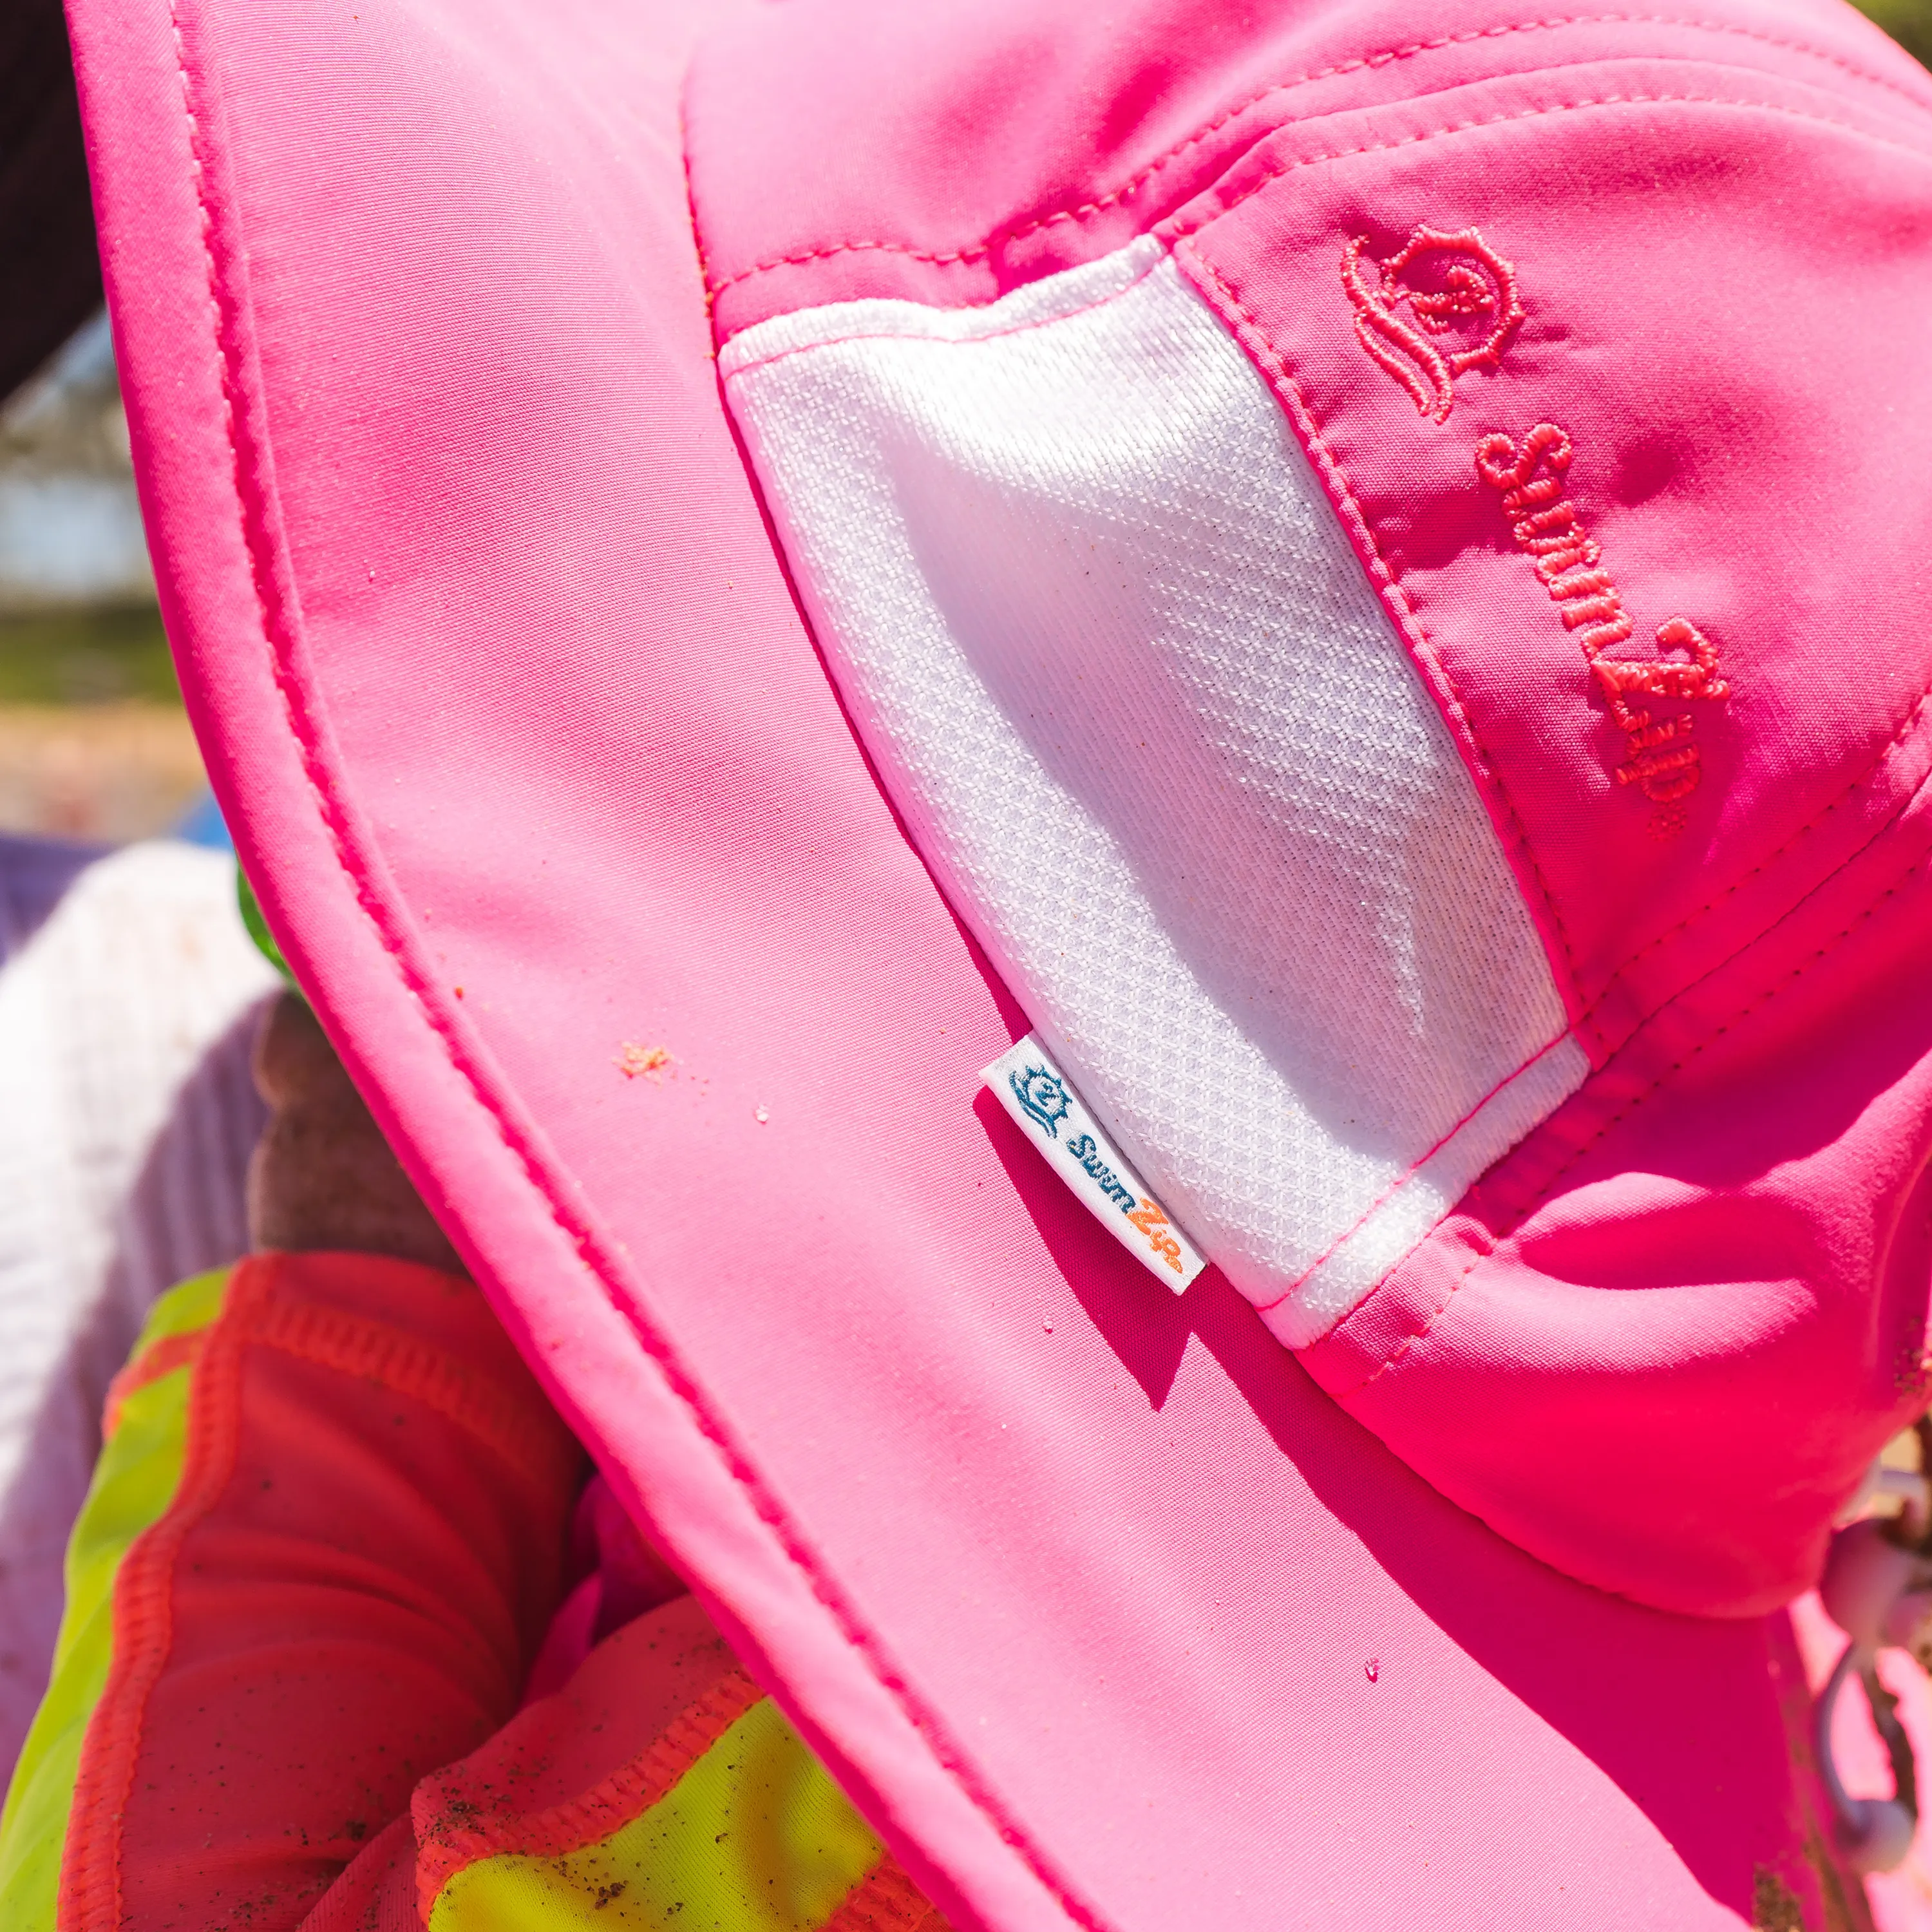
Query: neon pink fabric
[[1673, 149], [1762, 1132], [1101, 1609]]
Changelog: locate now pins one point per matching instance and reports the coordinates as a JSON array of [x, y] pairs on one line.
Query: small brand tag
[[1033, 1091]]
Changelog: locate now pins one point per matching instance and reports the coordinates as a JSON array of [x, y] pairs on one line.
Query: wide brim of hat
[[1103, 1612]]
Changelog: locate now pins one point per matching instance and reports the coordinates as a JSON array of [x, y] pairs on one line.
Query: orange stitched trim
[[1387, 57], [143, 1623], [170, 1353], [527, 1436], [605, 1808], [1249, 331], [1662, 764], [1487, 289], [886, 1901]]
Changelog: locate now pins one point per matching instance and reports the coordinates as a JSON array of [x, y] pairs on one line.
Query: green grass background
[[1908, 22], [86, 657]]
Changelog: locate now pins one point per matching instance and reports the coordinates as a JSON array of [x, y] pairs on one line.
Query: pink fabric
[[959, 152], [1691, 1214], [1117, 1621], [1763, 1120], [617, 1578]]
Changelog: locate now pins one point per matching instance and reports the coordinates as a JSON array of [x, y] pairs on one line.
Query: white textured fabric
[[128, 987], [1166, 752]]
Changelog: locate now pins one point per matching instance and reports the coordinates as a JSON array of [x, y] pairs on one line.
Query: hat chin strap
[[1875, 1833], [1877, 1588]]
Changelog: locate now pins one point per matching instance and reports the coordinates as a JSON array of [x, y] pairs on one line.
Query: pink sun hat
[[905, 676]]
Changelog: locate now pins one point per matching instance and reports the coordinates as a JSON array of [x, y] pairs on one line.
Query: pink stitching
[[1387, 57], [1410, 357], [577, 1229], [1276, 172], [584, 1237], [1885, 751], [1585, 1013], [1677, 1066], [951, 341], [1250, 332], [1407, 1174], [1409, 1341], [1630, 1107], [1664, 766]]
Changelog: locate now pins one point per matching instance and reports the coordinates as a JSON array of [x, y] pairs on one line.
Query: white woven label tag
[[1041, 1099]]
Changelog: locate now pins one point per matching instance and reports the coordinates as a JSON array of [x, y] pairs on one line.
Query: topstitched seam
[[885, 1900], [1716, 1034], [886, 334], [951, 1760], [1282, 167], [1636, 1100], [90, 1895], [1409, 1341], [1384, 57], [1585, 1012], [166, 1356], [591, 1817], [566, 1220], [1737, 885], [1250, 332], [571, 1224], [524, 1435], [1408, 1174]]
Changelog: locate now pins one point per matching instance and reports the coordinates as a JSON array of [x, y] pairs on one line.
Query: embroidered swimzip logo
[[1663, 763], [1036, 1093], [1463, 308], [1462, 296]]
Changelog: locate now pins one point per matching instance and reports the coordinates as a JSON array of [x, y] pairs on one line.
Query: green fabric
[[134, 1482], [191, 1305], [754, 1838], [258, 927]]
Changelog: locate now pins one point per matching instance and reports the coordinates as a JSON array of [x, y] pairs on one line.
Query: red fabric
[[647, 1705], [619, 1577], [366, 1546], [571, 1768]]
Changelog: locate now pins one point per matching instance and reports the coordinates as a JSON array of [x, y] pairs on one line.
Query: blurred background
[[93, 745]]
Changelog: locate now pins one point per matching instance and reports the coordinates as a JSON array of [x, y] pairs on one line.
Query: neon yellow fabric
[[754, 1838], [134, 1482], [192, 1305]]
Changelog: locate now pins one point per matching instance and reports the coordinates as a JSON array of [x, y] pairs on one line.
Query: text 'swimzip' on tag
[[1033, 1090]]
